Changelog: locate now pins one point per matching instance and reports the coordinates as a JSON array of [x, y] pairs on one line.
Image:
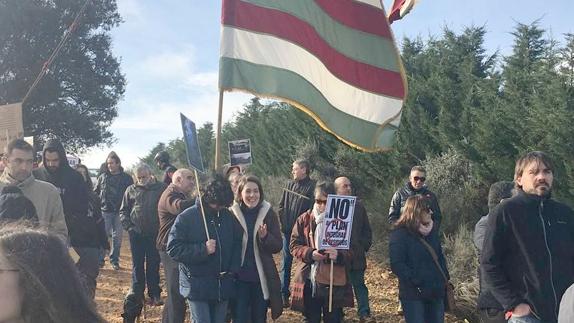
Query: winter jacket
[[527, 255], [46, 200], [139, 208], [361, 237], [204, 277], [264, 250], [171, 203], [111, 188], [485, 298], [293, 205], [85, 227], [169, 170], [302, 245], [566, 314], [400, 198], [411, 261]]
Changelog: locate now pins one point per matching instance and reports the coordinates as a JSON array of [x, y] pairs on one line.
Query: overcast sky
[[169, 52]]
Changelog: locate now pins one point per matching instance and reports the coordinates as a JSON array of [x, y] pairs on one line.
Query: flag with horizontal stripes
[[334, 59], [400, 9]]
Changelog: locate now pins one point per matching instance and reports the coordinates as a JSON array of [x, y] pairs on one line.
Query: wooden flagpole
[[218, 133]]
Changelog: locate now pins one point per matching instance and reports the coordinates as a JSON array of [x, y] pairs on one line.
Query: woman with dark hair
[[208, 262], [313, 269], [422, 285], [258, 283], [38, 280]]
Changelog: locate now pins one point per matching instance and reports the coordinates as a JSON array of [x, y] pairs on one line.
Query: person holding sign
[[258, 284], [310, 289], [412, 251], [208, 261]]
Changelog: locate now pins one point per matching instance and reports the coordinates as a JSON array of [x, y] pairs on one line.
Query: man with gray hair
[[297, 198], [139, 218]]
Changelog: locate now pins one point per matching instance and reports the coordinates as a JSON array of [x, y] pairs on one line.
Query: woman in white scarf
[[311, 283]]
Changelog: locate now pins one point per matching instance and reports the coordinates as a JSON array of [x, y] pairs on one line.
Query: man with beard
[[111, 187], [415, 186], [19, 159], [85, 228], [527, 258], [162, 161]]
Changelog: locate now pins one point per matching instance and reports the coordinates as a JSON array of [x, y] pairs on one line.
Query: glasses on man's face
[[419, 179], [320, 202]]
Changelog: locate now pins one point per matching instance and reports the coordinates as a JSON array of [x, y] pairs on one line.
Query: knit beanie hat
[[498, 191]]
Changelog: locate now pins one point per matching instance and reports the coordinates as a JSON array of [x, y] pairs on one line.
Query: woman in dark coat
[[312, 271], [422, 286], [258, 284]]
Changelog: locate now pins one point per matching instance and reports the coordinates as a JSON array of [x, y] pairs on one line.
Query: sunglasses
[[421, 179], [320, 202]]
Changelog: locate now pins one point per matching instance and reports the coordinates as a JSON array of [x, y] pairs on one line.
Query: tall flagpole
[[218, 133]]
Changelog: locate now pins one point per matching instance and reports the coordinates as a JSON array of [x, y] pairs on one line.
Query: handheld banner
[[338, 222]]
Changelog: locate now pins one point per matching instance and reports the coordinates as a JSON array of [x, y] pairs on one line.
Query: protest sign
[[336, 232], [191, 143], [11, 126], [240, 152]]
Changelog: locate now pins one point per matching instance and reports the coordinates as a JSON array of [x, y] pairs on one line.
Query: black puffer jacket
[[527, 255], [411, 261], [206, 277], [292, 205], [111, 188], [139, 208], [400, 198], [85, 226]]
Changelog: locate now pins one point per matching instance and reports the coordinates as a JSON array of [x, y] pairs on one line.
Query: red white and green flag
[[334, 59]]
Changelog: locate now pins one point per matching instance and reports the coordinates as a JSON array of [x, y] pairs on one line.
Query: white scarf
[[320, 221]]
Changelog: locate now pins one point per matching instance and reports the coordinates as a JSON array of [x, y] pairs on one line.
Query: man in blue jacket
[[208, 264], [527, 258]]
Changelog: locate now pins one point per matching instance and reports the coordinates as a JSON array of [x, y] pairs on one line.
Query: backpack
[[15, 206]]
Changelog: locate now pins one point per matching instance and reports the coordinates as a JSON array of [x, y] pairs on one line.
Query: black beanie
[[498, 191]]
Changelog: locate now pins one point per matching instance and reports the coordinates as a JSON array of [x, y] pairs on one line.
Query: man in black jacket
[[85, 225], [162, 161], [361, 240], [139, 217], [415, 186], [297, 198], [207, 263], [527, 258], [111, 187]]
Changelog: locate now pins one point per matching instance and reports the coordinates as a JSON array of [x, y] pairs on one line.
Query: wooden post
[[331, 288], [218, 133], [201, 204]]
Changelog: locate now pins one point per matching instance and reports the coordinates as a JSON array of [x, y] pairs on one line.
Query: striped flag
[[336, 60], [400, 9]]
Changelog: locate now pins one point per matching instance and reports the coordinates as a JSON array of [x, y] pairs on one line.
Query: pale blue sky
[[170, 50]]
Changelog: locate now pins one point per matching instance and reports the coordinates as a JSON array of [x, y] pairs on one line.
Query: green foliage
[[77, 100]]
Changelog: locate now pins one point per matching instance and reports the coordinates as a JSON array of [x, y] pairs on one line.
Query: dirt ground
[[113, 285]]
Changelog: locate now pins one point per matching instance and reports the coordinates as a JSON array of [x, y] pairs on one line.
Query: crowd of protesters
[[217, 244]]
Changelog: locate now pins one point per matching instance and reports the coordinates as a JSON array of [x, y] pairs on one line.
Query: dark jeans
[[114, 228], [145, 265], [207, 312], [423, 311], [174, 308], [250, 306], [491, 315], [89, 267], [286, 266], [315, 306], [357, 278]]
